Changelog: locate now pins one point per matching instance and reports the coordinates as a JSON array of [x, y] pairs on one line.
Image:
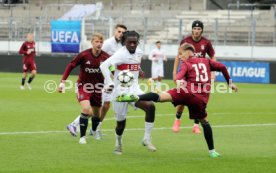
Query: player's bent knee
[[86, 110], [34, 72], [151, 108]]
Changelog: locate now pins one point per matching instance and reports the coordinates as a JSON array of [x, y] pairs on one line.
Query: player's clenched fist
[[61, 87]]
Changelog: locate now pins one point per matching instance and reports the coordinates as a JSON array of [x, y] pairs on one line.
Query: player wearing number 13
[[193, 90]]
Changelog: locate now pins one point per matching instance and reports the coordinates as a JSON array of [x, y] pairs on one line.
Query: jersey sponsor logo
[[131, 67], [93, 70], [87, 62], [198, 54]]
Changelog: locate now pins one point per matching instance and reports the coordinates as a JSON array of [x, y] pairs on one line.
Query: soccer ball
[[126, 78]]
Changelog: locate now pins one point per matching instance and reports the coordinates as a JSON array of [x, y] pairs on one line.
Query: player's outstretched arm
[[22, 50], [65, 75], [217, 66], [175, 67]]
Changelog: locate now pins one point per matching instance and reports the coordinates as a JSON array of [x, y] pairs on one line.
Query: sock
[[30, 79], [76, 122], [95, 123], [118, 140], [149, 97], [210, 151], [23, 81], [208, 134], [83, 124], [148, 129], [196, 121], [158, 84], [99, 126], [178, 115]]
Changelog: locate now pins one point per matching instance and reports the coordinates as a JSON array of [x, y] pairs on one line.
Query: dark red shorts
[[197, 108], [94, 97], [29, 66]]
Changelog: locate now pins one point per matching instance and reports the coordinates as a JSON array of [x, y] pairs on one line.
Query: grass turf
[[244, 148]]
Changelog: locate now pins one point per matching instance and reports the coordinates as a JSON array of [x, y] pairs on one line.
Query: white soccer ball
[[126, 78]]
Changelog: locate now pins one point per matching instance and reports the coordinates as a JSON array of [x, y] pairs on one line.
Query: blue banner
[[65, 36], [247, 72]]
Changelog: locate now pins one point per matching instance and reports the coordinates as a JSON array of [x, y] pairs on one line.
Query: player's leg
[[120, 110], [106, 98], [85, 110], [197, 110], [149, 109], [95, 120], [153, 79], [160, 75], [103, 111], [33, 74], [162, 97], [196, 129], [177, 122], [208, 134], [24, 76], [72, 127]]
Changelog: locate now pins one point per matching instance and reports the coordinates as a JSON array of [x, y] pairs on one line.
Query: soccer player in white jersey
[[110, 46], [157, 56], [128, 57]]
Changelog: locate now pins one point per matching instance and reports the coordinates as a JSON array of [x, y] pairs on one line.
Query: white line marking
[[214, 113], [138, 129]]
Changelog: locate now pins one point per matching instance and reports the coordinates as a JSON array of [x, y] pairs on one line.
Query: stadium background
[[240, 30], [33, 135]]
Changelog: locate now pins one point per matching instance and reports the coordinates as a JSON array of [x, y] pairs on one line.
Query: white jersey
[[123, 60], [110, 45], [157, 56]]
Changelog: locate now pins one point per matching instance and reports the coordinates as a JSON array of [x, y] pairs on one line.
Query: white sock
[[76, 122], [99, 126], [158, 84], [148, 129], [213, 150], [118, 140]]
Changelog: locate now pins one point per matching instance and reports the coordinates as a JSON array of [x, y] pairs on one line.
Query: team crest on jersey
[[87, 62], [81, 96], [28, 46], [202, 47]]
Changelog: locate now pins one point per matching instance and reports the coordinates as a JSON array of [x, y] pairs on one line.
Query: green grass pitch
[[244, 128]]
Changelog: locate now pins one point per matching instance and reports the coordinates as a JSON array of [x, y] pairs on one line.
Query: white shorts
[[106, 97], [157, 70], [121, 108]]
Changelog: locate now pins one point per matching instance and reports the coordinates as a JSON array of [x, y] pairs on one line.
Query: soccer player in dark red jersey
[[90, 83], [202, 47], [194, 86], [28, 50]]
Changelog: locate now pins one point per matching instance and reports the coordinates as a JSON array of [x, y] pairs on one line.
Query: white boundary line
[[138, 129], [214, 113]]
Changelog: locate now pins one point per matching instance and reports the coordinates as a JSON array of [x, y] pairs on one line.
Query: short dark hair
[[129, 34], [157, 42], [120, 26]]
